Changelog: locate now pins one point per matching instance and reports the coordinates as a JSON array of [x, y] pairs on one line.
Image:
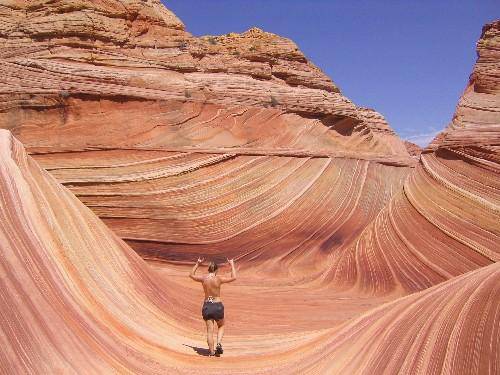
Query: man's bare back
[[212, 284], [211, 287]]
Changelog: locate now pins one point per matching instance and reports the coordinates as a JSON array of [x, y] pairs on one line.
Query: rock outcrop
[[234, 146], [77, 299], [476, 125], [138, 117], [413, 149], [63, 61], [446, 219]]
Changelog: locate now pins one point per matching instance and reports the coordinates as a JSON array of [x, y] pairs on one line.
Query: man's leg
[[220, 330], [210, 335]]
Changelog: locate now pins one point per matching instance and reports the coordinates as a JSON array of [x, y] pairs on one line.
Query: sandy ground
[[262, 315]]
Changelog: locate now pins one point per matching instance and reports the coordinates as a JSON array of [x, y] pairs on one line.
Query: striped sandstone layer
[[167, 137], [76, 298], [233, 146], [446, 219], [74, 72]]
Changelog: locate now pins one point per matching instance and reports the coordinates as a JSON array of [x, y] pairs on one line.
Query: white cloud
[[423, 139]]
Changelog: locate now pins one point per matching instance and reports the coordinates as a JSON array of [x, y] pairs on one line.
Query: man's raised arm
[[193, 271], [233, 273]]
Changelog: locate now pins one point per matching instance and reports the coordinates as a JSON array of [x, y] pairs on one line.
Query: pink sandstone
[[232, 145]]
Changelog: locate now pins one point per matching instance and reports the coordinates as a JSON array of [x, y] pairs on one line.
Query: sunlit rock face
[[77, 72], [77, 299], [474, 129], [74, 296], [177, 141], [413, 149], [234, 146], [446, 219]]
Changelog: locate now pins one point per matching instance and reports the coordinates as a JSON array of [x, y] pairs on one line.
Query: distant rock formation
[[413, 149], [475, 127]]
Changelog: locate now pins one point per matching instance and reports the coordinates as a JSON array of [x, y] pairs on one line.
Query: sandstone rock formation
[[413, 149], [127, 109], [446, 219], [232, 145], [475, 127], [77, 299], [63, 61]]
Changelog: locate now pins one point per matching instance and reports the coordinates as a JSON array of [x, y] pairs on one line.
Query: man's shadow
[[200, 351]]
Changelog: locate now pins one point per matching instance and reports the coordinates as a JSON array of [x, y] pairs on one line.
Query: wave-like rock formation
[[446, 220], [76, 298], [171, 139], [236, 146], [76, 67]]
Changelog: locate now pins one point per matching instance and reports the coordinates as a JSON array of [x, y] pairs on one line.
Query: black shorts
[[212, 310]]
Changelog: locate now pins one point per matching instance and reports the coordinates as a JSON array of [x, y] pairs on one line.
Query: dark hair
[[212, 267]]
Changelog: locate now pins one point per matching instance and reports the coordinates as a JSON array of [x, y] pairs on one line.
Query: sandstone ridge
[[61, 59]]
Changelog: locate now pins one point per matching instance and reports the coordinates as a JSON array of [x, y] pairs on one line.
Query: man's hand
[[233, 272], [193, 271]]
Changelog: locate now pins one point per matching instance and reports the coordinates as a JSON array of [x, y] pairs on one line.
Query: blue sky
[[409, 60]]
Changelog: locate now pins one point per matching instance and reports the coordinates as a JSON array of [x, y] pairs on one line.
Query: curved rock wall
[[232, 145], [75, 298], [56, 52], [88, 82]]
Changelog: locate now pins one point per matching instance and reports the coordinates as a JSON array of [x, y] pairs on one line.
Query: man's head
[[212, 267]]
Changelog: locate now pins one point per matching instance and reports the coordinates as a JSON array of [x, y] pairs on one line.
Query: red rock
[[77, 297], [66, 58], [445, 222], [476, 120], [130, 78], [413, 149], [238, 146], [431, 332]]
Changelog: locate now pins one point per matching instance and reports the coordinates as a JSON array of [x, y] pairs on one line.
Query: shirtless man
[[213, 309]]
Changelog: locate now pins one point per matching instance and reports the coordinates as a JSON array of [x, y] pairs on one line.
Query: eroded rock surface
[[232, 145], [413, 149], [76, 298], [476, 125], [63, 61], [135, 115]]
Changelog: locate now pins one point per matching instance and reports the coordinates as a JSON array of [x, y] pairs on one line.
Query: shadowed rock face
[[232, 145]]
